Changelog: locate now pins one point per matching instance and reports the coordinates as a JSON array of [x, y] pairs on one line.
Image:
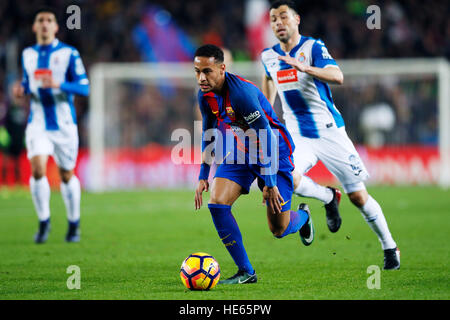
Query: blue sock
[[230, 235], [74, 224], [43, 223], [297, 220]]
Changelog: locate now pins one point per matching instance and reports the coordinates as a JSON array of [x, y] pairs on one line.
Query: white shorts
[[337, 152], [62, 145]]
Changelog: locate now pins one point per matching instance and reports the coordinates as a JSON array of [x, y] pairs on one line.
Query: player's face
[[284, 22], [210, 75], [45, 26]]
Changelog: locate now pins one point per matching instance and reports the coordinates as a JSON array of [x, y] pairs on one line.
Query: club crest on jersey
[[285, 76], [302, 57], [230, 112]]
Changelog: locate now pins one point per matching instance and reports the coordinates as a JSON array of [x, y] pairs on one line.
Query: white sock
[[71, 193], [308, 188], [374, 217], [40, 193]]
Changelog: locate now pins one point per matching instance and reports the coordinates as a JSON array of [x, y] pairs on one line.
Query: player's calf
[[294, 221]]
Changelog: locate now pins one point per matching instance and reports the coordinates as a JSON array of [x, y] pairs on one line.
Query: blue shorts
[[245, 174]]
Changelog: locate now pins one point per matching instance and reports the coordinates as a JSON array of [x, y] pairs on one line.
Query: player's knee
[[217, 199], [220, 198], [296, 177], [277, 231], [66, 175], [358, 198], [38, 172]]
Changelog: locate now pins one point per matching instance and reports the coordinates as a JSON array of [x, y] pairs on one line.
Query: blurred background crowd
[[170, 30]]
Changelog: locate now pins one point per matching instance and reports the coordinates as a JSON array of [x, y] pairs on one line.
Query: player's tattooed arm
[[330, 74]]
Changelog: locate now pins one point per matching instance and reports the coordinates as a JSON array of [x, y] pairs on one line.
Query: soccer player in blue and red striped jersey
[[250, 144]]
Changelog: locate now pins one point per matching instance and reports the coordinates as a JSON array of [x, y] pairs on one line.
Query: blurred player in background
[[12, 137], [239, 106], [300, 68], [52, 73]]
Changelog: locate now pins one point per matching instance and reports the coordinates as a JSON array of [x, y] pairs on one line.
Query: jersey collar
[[277, 47], [52, 45]]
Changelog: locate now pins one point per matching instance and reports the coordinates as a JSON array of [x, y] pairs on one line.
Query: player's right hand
[[203, 185], [273, 199], [18, 90]]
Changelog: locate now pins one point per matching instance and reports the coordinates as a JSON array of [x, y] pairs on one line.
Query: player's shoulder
[[29, 50], [240, 89], [236, 82], [310, 41], [270, 53], [317, 42], [67, 47]]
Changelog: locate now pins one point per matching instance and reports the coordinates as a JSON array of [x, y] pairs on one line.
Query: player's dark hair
[[45, 9], [278, 3], [210, 50]]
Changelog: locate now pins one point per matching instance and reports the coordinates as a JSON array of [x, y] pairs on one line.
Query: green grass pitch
[[133, 244]]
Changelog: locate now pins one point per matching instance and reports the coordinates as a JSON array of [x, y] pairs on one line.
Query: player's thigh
[[230, 181], [37, 142], [340, 157], [224, 191], [304, 154], [65, 150], [39, 147]]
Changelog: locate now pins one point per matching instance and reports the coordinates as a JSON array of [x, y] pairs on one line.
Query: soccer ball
[[200, 271]]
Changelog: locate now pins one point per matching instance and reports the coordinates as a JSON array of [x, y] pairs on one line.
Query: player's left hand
[[273, 198], [203, 185], [294, 63], [49, 82]]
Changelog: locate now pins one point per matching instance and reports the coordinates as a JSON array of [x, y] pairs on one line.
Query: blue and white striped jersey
[[53, 109], [307, 102]]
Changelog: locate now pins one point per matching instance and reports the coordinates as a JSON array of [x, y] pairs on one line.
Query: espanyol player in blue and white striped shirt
[[299, 68], [52, 73]]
